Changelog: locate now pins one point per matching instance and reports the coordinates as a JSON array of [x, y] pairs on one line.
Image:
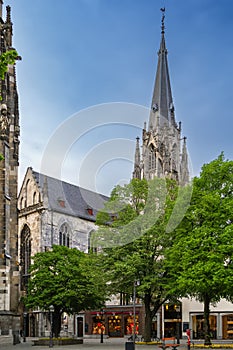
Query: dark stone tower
[[163, 154], [9, 145]]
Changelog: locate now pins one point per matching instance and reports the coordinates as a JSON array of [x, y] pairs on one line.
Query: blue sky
[[81, 53]]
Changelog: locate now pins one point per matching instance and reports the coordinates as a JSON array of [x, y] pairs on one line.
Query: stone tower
[[9, 144], [163, 154]]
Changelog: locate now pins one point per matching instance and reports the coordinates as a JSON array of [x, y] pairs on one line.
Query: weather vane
[[163, 17]]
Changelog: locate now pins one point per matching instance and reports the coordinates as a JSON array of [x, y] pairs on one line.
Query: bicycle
[[134, 337]]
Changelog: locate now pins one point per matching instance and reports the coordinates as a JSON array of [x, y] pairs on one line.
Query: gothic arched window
[[25, 255], [26, 193], [152, 163], [91, 248], [64, 235], [34, 198], [21, 203]]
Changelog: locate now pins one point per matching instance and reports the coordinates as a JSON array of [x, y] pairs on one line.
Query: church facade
[[9, 142], [51, 212]]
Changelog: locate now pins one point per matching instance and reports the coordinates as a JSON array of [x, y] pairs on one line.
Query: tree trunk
[[56, 322], [148, 318], [206, 320]]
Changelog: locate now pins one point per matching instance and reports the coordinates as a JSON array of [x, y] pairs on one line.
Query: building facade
[[52, 211], [9, 145]]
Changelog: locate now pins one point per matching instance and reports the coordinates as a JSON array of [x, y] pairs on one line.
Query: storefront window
[[129, 325], [198, 326], [227, 322], [98, 325], [114, 326]]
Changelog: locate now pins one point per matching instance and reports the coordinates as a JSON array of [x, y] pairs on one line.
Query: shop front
[[114, 325], [227, 325], [114, 322], [198, 326], [172, 320], [221, 326]]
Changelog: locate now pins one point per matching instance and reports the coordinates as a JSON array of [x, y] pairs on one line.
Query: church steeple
[[137, 161], [161, 142], [162, 102], [184, 170]]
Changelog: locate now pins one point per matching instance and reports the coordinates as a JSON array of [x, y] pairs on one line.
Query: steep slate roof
[[69, 199]]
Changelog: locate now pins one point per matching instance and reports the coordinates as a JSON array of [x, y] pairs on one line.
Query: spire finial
[[162, 20], [8, 14]]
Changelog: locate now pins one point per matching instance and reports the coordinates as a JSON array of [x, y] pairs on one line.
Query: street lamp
[[136, 283], [177, 307], [102, 330], [24, 326], [51, 310], [25, 279]]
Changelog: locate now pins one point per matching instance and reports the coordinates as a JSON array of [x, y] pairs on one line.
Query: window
[[90, 211], [91, 248], [21, 203], [62, 203], [152, 159], [25, 256], [34, 198], [64, 235], [27, 192]]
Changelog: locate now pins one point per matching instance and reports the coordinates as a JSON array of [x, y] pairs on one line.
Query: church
[[51, 211]]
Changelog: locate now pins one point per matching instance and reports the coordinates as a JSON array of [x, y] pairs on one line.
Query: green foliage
[[66, 278], [144, 212], [6, 58], [126, 202], [1, 157], [202, 252], [136, 208]]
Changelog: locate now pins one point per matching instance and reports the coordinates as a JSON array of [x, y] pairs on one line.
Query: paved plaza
[[89, 344], [94, 344]]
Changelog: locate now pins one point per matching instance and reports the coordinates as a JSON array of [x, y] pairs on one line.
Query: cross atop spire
[[162, 20]]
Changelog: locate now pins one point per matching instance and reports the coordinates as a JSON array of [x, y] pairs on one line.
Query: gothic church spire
[[137, 161], [161, 142], [162, 102]]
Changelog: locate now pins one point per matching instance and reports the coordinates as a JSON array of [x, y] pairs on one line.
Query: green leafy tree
[[202, 253], [135, 241], [66, 278]]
